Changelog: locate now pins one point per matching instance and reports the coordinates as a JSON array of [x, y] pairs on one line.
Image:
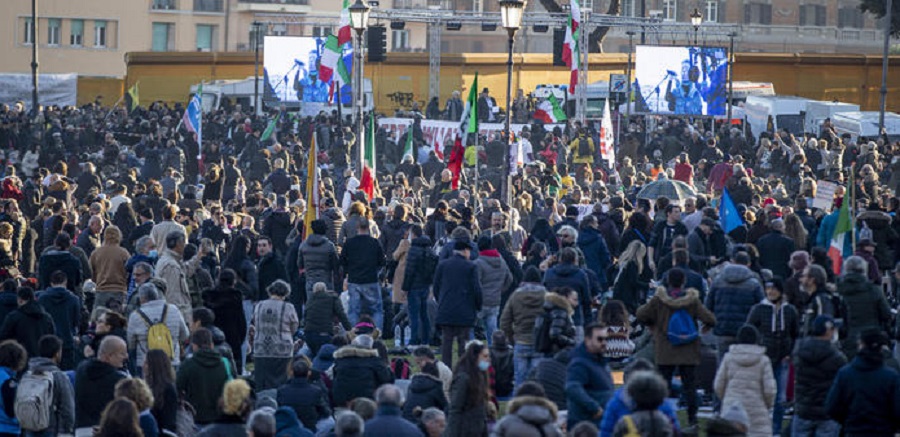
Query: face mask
[[153, 253], [483, 365]]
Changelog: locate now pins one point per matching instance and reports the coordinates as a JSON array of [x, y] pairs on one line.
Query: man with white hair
[[387, 421]]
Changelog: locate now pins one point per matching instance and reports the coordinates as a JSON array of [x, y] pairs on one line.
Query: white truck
[[818, 111], [770, 113], [865, 124], [241, 92]]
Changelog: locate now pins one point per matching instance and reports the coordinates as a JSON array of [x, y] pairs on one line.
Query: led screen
[[291, 68], [681, 80]]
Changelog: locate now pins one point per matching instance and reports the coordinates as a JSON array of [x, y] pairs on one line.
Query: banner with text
[[437, 132]]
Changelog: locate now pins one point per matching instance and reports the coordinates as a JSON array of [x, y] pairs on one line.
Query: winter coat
[[415, 275], [362, 258], [225, 426], [27, 324], [228, 307], [528, 416], [494, 276], [503, 370], [865, 397], [732, 295], [323, 310], [52, 260], [269, 270], [65, 309], [589, 386], [568, 275], [95, 383], [656, 314], [392, 233], [62, 418], [138, 329], [425, 391], [463, 418], [319, 259], [657, 240], [334, 218], [621, 405], [777, 327], [867, 308], [171, 269], [457, 291], [816, 363], [200, 378], [523, 306], [745, 376], [629, 286], [275, 322], [777, 249], [551, 375], [277, 226], [400, 256], [883, 235], [558, 312], [596, 253], [388, 423], [357, 373], [307, 400], [288, 425]]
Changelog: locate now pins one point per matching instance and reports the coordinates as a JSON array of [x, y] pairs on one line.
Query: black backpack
[[541, 334], [584, 146]]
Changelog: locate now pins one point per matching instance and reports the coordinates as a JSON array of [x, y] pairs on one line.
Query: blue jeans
[[780, 372], [419, 325], [488, 316], [524, 359], [814, 428], [370, 296]]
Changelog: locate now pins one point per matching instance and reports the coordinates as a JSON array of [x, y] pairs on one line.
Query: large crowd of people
[[151, 285]]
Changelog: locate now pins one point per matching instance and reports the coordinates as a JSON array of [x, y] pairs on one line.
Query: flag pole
[[851, 207], [114, 106]]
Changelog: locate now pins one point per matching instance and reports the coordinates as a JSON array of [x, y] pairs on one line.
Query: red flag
[[456, 161], [437, 149]]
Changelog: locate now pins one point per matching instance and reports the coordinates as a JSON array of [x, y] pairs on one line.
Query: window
[[812, 15], [670, 10], [712, 11], [99, 33], [53, 25], [76, 33], [402, 4], [478, 5], [208, 5], [850, 16], [400, 40], [279, 30], [628, 8], [163, 4], [206, 37], [28, 37], [319, 31], [163, 37], [757, 13]]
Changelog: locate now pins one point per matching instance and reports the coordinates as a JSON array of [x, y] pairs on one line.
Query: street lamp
[[359, 19], [256, 26], [34, 58], [630, 34], [731, 58], [696, 21], [511, 12]]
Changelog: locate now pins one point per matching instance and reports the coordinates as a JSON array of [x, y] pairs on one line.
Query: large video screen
[[681, 80], [291, 68]]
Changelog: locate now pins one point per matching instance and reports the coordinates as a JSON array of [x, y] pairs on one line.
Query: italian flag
[[345, 32], [571, 53], [367, 181], [841, 232], [333, 62], [549, 111]]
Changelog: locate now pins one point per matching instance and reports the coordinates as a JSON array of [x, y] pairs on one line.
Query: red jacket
[[684, 172]]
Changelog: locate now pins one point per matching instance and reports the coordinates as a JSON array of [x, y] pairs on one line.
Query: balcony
[[163, 5], [275, 6], [209, 6]]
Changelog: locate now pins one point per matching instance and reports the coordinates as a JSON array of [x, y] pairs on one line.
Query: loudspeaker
[[377, 43], [559, 37]]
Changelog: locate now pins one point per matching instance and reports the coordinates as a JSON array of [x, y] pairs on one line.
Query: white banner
[[824, 195], [53, 89], [437, 132]]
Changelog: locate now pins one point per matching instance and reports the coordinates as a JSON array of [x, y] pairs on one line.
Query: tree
[[595, 39], [878, 8]]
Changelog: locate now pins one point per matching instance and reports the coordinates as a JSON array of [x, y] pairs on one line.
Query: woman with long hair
[[541, 232], [238, 259], [136, 390], [638, 229], [631, 282], [225, 301], [119, 419], [126, 219], [794, 229], [160, 377], [535, 256], [469, 397]]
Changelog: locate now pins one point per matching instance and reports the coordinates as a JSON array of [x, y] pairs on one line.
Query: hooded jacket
[[357, 373], [778, 327], [288, 425], [816, 363], [494, 276], [589, 386], [558, 312], [745, 376], [865, 397], [570, 275], [62, 419], [201, 379], [307, 400], [457, 291], [425, 391], [27, 324], [415, 275], [65, 310], [334, 218], [523, 306], [319, 259], [171, 269], [551, 374], [62, 260], [866, 305], [596, 253], [528, 416], [656, 314], [95, 383], [732, 295]]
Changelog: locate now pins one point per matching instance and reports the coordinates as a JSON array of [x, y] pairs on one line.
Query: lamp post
[[696, 21], [731, 37], [511, 12], [884, 62], [359, 19], [34, 58], [630, 34], [256, 26]]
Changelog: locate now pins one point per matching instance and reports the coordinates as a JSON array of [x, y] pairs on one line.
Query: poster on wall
[[682, 80]]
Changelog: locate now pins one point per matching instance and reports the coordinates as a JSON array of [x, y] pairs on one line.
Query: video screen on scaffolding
[[291, 69], [681, 80]]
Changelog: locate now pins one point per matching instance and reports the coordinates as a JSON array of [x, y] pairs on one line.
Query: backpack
[[681, 330], [584, 147], [158, 334], [541, 334], [34, 401], [630, 428], [400, 368]]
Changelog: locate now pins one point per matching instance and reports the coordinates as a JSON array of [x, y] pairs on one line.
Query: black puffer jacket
[[277, 226], [778, 328], [27, 324], [318, 257], [816, 363], [391, 234], [334, 217], [883, 235], [551, 374], [558, 312], [416, 276], [866, 306], [425, 391], [322, 310], [308, 401], [357, 373]]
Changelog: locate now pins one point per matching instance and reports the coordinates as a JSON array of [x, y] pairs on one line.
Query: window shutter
[[821, 15], [766, 15], [748, 13]]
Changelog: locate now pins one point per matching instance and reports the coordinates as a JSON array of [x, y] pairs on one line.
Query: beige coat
[[745, 376], [171, 269], [160, 230], [398, 295]]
